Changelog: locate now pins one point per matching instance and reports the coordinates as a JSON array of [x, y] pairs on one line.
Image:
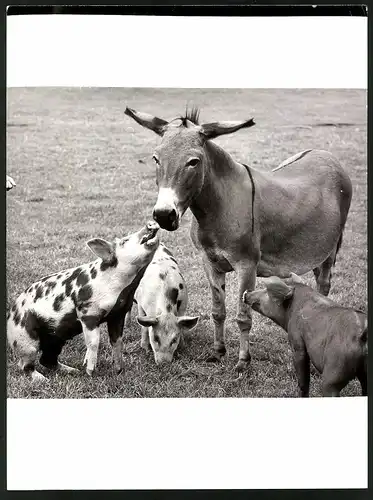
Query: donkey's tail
[[339, 244]]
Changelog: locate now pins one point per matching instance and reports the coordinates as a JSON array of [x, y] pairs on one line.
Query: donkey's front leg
[[246, 281], [218, 313]]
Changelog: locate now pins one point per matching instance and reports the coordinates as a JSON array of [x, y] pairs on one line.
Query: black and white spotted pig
[[64, 304], [162, 301]]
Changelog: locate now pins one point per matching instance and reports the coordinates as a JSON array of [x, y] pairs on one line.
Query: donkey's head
[[180, 160]]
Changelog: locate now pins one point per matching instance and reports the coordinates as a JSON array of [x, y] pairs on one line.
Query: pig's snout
[[148, 235], [248, 297], [252, 299], [163, 359], [152, 225]]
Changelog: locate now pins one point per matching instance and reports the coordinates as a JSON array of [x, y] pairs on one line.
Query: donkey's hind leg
[[323, 275]]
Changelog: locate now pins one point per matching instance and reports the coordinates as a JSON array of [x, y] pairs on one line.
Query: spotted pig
[[332, 337], [162, 301], [64, 304]]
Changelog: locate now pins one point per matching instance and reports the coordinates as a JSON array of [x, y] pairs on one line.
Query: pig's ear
[[296, 279], [102, 248], [188, 322], [278, 288], [147, 320]]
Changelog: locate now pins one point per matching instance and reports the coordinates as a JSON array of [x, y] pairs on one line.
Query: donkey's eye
[[155, 159], [157, 339], [193, 162]]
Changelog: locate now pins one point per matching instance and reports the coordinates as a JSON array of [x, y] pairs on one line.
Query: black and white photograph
[[135, 241], [182, 241]]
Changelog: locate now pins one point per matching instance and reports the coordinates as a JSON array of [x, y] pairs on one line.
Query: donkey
[[245, 220]]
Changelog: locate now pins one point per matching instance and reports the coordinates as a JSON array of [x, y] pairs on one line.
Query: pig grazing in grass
[[64, 304], [332, 337], [162, 301]]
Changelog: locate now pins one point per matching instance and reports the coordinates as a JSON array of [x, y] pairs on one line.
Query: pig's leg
[[363, 379], [336, 373], [27, 364], [49, 357], [145, 342], [301, 362], [330, 389], [115, 328], [333, 381], [91, 334], [127, 322], [51, 362], [181, 344], [181, 312], [28, 350]]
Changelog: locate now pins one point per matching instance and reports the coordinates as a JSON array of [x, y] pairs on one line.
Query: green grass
[[83, 169]]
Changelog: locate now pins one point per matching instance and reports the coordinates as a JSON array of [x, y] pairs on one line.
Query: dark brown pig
[[334, 338]]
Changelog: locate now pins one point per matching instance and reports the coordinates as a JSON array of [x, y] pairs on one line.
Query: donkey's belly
[[283, 270], [300, 228], [298, 254]]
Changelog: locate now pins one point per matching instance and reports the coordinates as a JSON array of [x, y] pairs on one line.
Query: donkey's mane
[[192, 115]]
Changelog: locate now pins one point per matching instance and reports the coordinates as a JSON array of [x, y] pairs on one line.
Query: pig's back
[[328, 329], [162, 283]]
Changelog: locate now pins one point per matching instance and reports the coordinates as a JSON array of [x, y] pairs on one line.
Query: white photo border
[[197, 443]]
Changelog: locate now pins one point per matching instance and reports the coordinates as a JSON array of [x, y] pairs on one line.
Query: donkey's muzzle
[[166, 218]]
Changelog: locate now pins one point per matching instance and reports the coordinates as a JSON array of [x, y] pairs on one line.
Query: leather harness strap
[[252, 196]]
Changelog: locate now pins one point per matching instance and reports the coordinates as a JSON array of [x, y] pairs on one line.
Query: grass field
[[83, 169]]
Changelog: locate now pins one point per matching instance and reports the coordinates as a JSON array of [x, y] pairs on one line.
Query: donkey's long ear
[[212, 130], [278, 288], [148, 121]]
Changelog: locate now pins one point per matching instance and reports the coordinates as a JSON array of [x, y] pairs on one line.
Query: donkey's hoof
[[214, 358], [38, 378], [242, 366], [219, 352], [217, 355], [146, 347]]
